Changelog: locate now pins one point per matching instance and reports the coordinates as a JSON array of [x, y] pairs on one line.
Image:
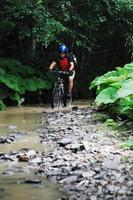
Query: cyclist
[[65, 63]]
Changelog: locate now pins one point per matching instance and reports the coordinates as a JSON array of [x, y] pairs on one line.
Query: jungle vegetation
[[99, 32]]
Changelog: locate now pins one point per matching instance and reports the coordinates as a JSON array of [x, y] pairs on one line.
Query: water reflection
[[11, 188], [17, 120]]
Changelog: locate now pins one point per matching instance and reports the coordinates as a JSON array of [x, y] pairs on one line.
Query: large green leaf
[[126, 89], [40, 83], [15, 67], [126, 106], [106, 96], [30, 85], [116, 89], [101, 79], [128, 67], [36, 83], [2, 74], [12, 82]]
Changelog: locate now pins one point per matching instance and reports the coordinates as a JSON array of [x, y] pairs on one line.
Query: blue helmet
[[63, 48]]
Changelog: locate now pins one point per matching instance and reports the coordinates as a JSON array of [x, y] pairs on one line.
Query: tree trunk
[[82, 62], [33, 48]]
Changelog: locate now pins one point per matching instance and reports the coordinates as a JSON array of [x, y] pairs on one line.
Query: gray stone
[[65, 141]]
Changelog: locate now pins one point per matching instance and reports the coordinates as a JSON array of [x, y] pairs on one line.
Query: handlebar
[[62, 72]]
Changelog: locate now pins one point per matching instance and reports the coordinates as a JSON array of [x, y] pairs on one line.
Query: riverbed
[[23, 120], [69, 153]]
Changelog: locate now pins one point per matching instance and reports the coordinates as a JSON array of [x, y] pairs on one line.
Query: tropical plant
[[16, 79], [115, 90]]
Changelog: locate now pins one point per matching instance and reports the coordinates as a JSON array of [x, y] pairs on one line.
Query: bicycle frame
[[58, 96]]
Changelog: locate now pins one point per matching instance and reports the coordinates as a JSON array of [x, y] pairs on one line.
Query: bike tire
[[57, 98]]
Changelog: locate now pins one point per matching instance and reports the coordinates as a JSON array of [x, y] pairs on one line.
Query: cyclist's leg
[[70, 83]]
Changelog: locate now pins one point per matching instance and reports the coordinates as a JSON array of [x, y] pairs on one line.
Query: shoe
[[69, 95]]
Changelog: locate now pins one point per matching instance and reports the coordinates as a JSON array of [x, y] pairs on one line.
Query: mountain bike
[[59, 94]]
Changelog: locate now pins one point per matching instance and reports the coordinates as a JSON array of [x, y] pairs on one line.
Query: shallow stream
[[23, 119]]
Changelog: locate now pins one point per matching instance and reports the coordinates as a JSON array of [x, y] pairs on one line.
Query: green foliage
[[2, 105], [128, 144], [108, 95], [115, 89], [15, 80], [86, 22], [111, 123], [31, 19], [98, 29]]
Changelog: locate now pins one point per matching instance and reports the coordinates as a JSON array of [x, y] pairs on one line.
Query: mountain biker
[[65, 62]]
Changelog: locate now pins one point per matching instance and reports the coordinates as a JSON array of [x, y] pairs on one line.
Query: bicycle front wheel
[[57, 98]]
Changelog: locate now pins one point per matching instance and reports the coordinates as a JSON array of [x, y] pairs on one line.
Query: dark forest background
[[99, 32]]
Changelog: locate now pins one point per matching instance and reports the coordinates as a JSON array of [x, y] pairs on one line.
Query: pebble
[[85, 160]]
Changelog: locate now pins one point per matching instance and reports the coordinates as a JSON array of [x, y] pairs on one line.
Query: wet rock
[[7, 157], [64, 198], [11, 137], [8, 140], [22, 170], [99, 176], [12, 127], [88, 165], [33, 181], [97, 170], [84, 158], [111, 164], [86, 145], [36, 160], [41, 171], [68, 180], [2, 189], [26, 154], [88, 174], [65, 141], [8, 173], [23, 158], [76, 147], [81, 186], [75, 108]]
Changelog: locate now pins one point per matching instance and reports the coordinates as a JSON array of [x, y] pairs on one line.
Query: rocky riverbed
[[83, 156]]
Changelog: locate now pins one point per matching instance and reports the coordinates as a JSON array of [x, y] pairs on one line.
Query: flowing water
[[23, 119]]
